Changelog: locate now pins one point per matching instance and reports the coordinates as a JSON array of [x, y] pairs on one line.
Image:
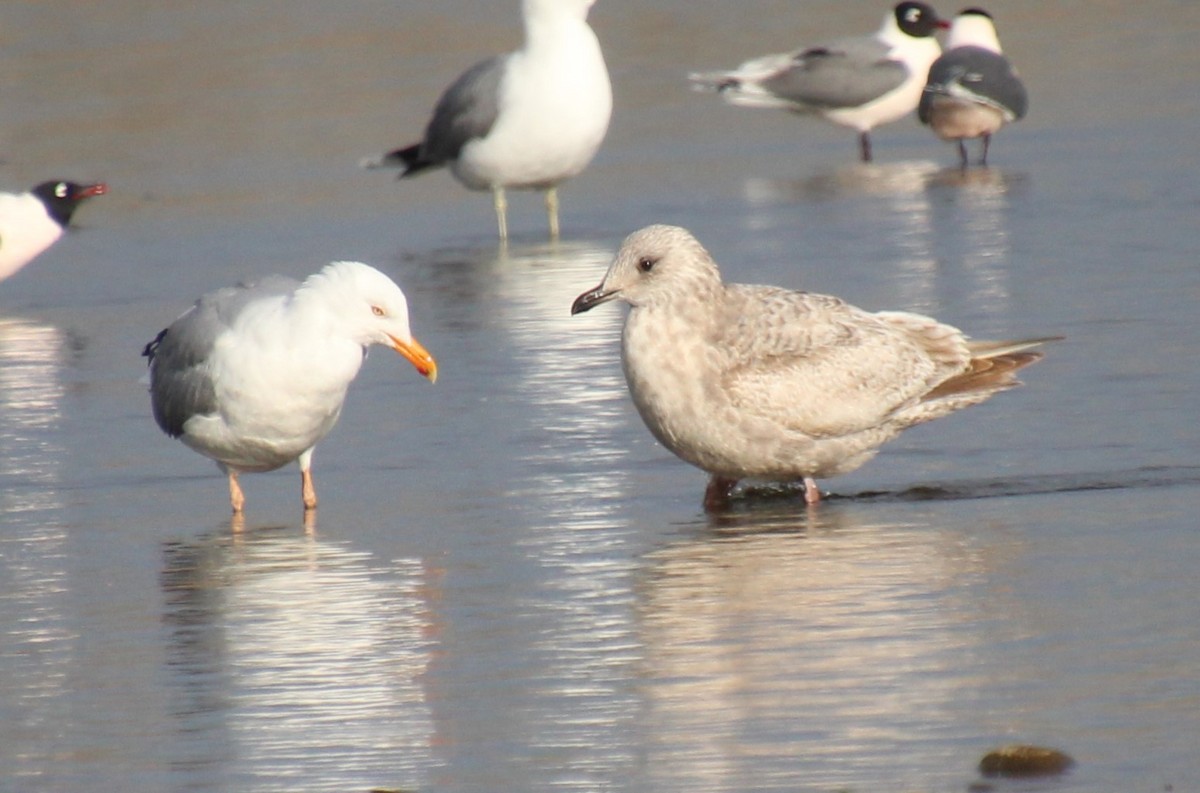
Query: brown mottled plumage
[[763, 382]]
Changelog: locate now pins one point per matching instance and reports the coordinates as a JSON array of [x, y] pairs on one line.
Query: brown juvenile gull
[[253, 376], [768, 383]]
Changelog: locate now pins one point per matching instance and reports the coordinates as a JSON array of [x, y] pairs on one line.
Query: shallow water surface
[[509, 585]]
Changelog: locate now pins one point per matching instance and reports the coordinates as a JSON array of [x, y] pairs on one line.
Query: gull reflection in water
[[574, 399], [296, 664], [37, 643], [971, 223], [572, 494], [818, 650], [31, 392], [886, 201], [949, 227]]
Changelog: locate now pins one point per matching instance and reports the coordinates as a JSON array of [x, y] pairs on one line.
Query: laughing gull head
[[973, 90], [32, 221], [762, 382], [526, 120], [253, 376], [858, 82]]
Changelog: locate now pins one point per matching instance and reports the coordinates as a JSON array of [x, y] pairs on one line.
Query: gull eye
[[377, 311], [646, 264], [61, 190]]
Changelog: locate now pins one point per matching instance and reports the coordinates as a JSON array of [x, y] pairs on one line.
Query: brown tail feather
[[986, 374]]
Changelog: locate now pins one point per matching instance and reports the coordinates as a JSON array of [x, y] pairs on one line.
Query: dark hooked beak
[[592, 298]]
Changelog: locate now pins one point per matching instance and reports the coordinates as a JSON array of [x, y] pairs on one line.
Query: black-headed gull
[[32, 221], [972, 89], [526, 120], [763, 382], [253, 376], [859, 82]]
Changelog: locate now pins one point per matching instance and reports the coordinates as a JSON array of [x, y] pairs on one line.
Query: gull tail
[[709, 82], [993, 368], [408, 159]]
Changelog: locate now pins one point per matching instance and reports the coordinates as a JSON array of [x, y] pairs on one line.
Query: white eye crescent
[[61, 190]]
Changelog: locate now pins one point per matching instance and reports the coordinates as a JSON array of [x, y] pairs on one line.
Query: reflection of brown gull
[[840, 643], [761, 382], [303, 656]]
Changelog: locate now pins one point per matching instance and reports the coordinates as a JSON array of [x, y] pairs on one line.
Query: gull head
[[656, 265], [372, 309]]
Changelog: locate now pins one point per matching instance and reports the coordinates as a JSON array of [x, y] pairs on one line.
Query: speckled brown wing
[[818, 365]]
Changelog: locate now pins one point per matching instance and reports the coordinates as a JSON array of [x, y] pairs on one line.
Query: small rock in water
[[1024, 761]]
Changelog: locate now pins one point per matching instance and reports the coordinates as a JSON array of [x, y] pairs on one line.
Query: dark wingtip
[[152, 346]]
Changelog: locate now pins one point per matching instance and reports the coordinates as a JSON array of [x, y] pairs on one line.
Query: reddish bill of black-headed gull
[[860, 82], [767, 383], [32, 221], [973, 90], [253, 376], [526, 120]]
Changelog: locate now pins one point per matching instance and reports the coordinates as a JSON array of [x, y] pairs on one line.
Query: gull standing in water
[[972, 89], [526, 120], [253, 376], [767, 383], [32, 221], [858, 82]]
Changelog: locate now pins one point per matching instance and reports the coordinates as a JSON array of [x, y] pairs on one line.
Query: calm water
[[510, 586]]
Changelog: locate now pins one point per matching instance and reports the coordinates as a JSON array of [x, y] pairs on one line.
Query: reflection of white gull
[[39, 645], [526, 120], [858, 82], [31, 222], [889, 201], [253, 376], [761, 382], [574, 507], [972, 90], [31, 391], [971, 225], [304, 658]]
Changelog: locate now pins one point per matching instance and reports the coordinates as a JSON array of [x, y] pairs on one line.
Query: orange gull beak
[[417, 355]]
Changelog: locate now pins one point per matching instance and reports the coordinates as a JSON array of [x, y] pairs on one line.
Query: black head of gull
[[62, 198]]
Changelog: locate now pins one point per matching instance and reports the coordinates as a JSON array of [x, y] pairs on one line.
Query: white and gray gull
[[859, 82], [766, 383], [973, 90], [253, 376], [32, 221], [526, 120]]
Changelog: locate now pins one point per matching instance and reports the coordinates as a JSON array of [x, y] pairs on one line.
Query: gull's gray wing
[[846, 73], [978, 75], [180, 382], [466, 111]]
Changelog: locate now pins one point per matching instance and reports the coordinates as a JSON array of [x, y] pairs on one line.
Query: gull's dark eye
[[646, 264], [62, 190]]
